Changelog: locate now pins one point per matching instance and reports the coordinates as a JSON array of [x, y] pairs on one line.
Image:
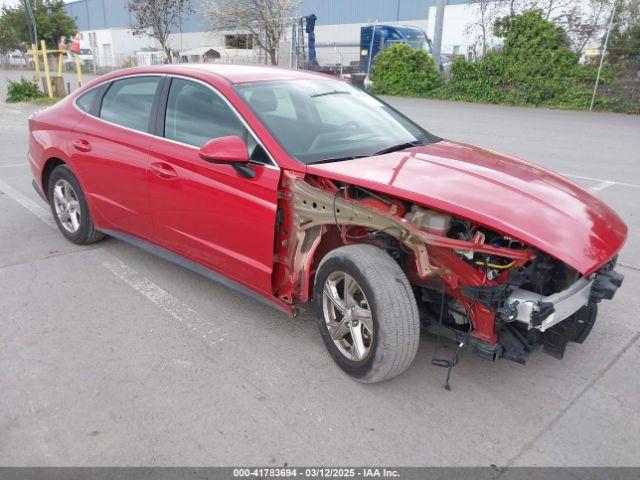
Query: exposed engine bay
[[478, 287]]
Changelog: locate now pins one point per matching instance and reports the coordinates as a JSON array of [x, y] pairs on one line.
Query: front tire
[[70, 209], [367, 313]]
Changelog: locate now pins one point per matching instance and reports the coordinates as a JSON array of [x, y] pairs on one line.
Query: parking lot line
[[14, 165], [601, 186], [163, 299], [39, 211], [600, 180], [181, 312]]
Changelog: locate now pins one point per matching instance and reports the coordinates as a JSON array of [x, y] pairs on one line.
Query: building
[[105, 29], [339, 22]]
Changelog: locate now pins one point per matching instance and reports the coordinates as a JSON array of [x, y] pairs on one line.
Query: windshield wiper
[[337, 159], [332, 92], [401, 146]]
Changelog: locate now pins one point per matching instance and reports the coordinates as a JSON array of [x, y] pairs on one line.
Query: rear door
[[208, 212], [110, 150]]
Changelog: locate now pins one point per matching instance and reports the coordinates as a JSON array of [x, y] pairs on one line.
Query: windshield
[[416, 39], [421, 45], [324, 120]]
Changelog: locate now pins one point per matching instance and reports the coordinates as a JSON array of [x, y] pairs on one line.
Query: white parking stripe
[[601, 186], [601, 180], [186, 315], [183, 313], [12, 165], [39, 211]]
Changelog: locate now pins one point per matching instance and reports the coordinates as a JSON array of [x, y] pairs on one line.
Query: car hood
[[508, 195]]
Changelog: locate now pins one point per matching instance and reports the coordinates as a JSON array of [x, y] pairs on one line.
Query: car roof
[[235, 73]]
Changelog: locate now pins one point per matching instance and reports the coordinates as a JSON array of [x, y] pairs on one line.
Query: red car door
[[111, 155], [212, 213]]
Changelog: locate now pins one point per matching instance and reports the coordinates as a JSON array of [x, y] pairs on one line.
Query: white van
[[16, 59]]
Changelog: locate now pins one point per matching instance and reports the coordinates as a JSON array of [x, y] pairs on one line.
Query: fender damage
[[489, 286]]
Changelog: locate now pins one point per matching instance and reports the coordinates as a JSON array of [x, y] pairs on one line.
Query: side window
[[196, 114], [128, 102], [85, 101], [256, 152]]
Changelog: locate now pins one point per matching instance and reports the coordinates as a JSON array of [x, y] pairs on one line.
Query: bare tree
[[156, 18], [583, 20], [584, 23], [482, 24], [485, 18], [266, 20]]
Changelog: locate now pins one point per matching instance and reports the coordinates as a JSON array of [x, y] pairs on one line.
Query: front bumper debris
[[542, 313], [555, 320], [532, 307]]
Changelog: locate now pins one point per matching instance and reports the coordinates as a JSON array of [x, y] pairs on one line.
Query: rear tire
[[69, 207], [374, 346]]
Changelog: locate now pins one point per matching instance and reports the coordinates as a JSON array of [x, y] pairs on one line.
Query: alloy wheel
[[348, 316], [67, 205]]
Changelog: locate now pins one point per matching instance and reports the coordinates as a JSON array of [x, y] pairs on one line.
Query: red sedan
[[296, 187]]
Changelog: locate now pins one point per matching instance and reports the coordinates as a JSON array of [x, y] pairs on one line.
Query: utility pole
[[437, 32], [604, 51], [31, 21]]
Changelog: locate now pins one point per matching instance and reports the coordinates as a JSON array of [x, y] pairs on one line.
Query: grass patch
[[44, 101]]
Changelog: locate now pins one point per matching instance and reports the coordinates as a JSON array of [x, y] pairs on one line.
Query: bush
[[472, 82], [534, 67], [402, 70], [22, 91]]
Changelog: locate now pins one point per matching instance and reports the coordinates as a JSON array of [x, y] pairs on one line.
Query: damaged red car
[[295, 187]]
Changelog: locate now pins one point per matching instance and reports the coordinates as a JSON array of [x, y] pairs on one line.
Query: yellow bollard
[[46, 69], [78, 69], [36, 62], [60, 63]]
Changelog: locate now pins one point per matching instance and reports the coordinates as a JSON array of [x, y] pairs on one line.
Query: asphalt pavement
[[110, 356]]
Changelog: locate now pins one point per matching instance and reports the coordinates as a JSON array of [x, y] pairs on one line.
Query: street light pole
[[604, 51], [31, 21], [437, 32]]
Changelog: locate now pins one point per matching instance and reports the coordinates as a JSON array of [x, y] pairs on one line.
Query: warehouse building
[[105, 29]]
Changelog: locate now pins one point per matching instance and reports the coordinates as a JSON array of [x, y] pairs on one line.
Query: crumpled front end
[[493, 292]]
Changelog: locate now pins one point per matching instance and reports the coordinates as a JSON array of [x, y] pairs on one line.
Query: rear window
[[128, 102], [85, 101]]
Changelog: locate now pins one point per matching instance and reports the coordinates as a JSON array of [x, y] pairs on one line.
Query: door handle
[[81, 145], [164, 170]]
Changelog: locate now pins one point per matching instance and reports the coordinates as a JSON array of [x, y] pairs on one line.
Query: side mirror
[[231, 149]]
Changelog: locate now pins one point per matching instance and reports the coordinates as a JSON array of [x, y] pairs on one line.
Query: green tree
[[402, 70], [537, 64], [11, 30], [51, 20], [534, 67], [623, 54], [624, 45]]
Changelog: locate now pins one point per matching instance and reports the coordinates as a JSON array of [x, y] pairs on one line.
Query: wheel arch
[[328, 240], [49, 166]]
